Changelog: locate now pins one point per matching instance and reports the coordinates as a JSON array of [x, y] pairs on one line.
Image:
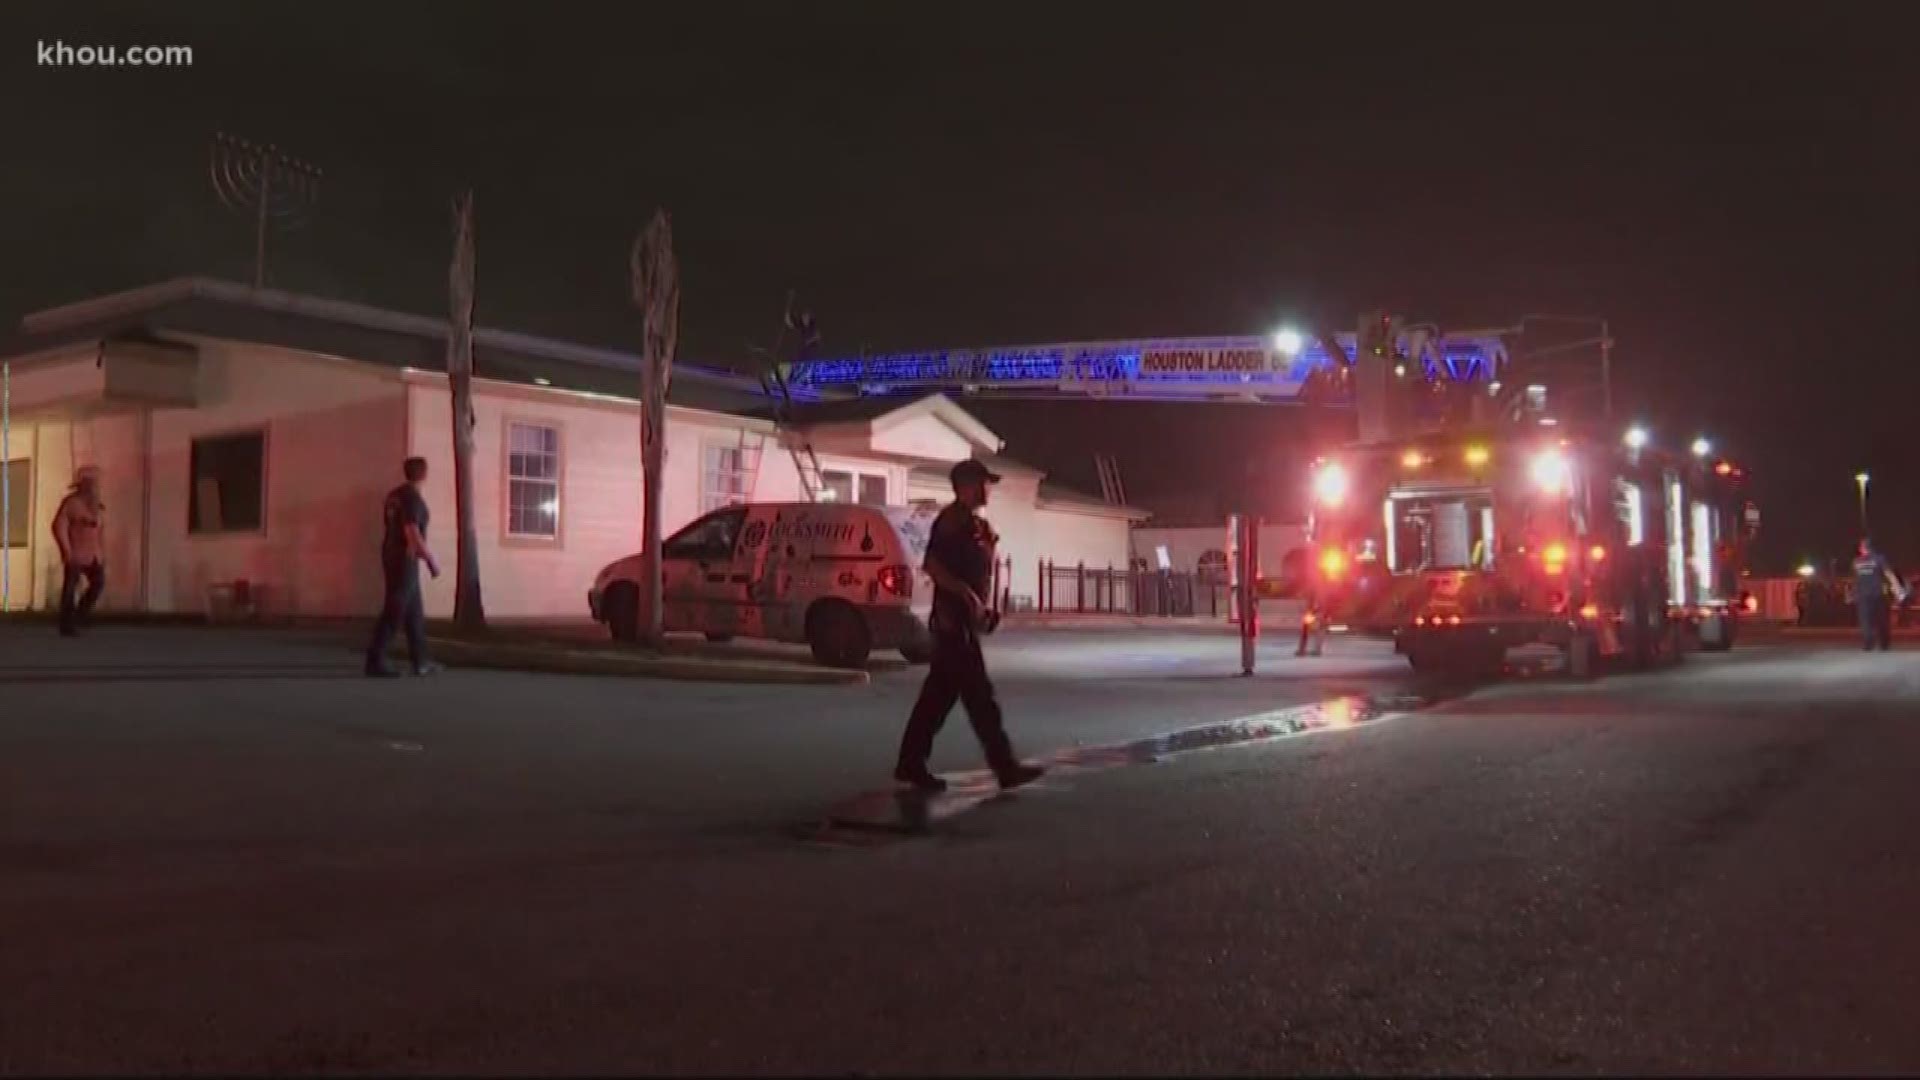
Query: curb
[[1112, 622], [568, 662]]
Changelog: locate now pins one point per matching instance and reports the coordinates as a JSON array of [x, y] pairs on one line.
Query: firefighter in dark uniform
[[403, 548], [959, 560], [1874, 586], [1313, 607]]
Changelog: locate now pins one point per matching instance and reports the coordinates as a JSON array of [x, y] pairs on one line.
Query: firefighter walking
[[403, 547], [1322, 595], [960, 561], [1875, 587]]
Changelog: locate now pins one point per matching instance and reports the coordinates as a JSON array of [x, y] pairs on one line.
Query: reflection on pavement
[[877, 816]]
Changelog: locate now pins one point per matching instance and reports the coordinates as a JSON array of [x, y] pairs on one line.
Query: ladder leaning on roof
[[805, 462], [746, 463]]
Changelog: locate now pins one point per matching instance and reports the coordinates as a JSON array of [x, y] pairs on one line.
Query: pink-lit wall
[[599, 496], [333, 441], [601, 490], [333, 446]]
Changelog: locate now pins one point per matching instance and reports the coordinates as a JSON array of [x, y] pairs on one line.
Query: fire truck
[[1463, 545]]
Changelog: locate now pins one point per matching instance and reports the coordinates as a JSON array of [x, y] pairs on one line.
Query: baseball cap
[[972, 472]]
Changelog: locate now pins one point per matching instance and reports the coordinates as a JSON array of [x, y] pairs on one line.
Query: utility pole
[[1606, 372], [261, 181]]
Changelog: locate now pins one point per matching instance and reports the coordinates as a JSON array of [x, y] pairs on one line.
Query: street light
[[1637, 438], [1806, 570], [1701, 448], [1861, 479]]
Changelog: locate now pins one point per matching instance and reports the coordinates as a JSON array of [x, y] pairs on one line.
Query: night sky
[[1739, 198]]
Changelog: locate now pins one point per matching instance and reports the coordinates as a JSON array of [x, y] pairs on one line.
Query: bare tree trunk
[[656, 290], [468, 611]]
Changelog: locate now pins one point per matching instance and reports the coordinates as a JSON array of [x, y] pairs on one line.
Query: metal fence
[[1084, 589]]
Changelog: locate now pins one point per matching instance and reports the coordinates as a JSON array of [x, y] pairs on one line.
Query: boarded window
[[19, 483], [229, 489]]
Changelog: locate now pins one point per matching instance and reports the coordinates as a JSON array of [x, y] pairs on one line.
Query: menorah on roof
[[277, 189]]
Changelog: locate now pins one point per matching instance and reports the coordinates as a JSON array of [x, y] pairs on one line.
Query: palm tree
[[656, 291], [468, 612]]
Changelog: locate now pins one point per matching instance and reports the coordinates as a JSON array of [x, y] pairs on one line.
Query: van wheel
[[623, 612], [719, 637], [838, 635]]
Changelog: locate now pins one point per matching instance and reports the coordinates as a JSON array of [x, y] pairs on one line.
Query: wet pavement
[[904, 812]]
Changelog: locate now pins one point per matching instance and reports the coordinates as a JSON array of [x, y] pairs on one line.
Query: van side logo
[[756, 534]]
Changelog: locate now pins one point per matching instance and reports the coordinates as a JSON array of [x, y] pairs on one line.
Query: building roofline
[[179, 290]]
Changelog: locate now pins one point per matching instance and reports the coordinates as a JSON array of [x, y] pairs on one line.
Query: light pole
[[1861, 478]]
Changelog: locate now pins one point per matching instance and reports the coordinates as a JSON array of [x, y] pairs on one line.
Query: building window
[[533, 482], [19, 502], [726, 477], [852, 486], [229, 489]]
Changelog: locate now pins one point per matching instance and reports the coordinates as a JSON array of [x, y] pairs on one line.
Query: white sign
[[1214, 361]]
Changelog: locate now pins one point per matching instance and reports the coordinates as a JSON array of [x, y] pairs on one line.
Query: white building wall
[[333, 437], [1071, 538], [334, 444], [1010, 511], [600, 496], [602, 500]]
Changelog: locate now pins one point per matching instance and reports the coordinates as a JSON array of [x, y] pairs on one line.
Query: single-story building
[[249, 435]]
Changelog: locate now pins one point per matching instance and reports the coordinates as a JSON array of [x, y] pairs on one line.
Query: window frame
[[24, 520], [508, 537], [265, 434], [856, 473], [707, 490]]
